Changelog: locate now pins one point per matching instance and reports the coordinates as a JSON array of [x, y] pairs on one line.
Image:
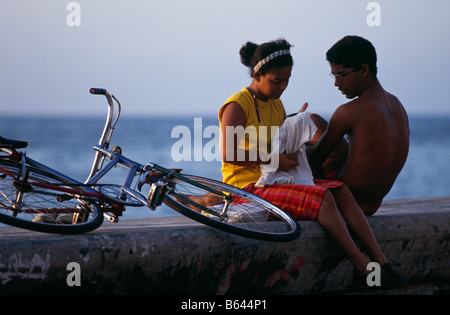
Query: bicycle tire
[[247, 215], [39, 210]]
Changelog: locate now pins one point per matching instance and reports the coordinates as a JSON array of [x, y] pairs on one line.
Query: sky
[[174, 57]]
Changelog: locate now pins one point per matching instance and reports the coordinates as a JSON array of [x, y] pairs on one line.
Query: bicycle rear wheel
[[27, 205], [230, 209]]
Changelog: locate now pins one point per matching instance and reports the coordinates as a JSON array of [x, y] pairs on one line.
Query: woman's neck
[[257, 93]]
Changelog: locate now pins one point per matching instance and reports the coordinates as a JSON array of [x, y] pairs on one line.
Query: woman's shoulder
[[243, 98]]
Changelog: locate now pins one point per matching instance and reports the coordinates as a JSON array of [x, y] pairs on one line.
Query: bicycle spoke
[[230, 209], [36, 204]]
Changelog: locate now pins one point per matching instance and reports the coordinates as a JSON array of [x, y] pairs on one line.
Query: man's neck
[[370, 84]]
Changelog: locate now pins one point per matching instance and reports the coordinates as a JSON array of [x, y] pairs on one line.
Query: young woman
[[246, 121]]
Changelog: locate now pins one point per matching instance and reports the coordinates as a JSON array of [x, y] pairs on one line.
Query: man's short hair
[[352, 51]]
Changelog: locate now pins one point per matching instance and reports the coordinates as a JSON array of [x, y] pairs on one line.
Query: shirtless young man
[[375, 122]]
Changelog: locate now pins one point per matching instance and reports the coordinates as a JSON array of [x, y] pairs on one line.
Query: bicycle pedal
[[111, 218], [155, 176], [156, 195]]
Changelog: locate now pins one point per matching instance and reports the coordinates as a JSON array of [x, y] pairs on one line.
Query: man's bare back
[[378, 135], [377, 128]]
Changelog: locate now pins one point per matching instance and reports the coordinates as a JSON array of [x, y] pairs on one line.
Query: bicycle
[[33, 196]]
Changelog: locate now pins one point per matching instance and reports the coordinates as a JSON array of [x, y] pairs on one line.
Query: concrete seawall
[[175, 255]]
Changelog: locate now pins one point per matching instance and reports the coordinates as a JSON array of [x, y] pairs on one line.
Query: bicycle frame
[[99, 169]]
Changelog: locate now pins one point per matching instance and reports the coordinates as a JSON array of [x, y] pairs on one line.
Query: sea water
[[65, 144]]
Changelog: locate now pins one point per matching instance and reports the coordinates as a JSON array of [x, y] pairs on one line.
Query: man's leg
[[357, 222], [332, 221]]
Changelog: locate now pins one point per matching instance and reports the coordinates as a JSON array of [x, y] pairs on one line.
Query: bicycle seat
[[18, 144]]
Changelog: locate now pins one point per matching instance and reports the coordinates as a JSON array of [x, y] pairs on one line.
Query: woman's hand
[[286, 162], [304, 107]]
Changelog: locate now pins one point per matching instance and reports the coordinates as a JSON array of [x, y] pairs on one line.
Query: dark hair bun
[[252, 53], [247, 51]]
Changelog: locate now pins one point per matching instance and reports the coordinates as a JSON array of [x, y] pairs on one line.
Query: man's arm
[[338, 126]]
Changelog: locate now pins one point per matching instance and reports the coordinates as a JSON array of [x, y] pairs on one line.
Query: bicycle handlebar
[[98, 91], [108, 130]]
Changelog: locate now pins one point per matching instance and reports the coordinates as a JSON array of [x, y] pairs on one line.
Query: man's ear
[[365, 69]]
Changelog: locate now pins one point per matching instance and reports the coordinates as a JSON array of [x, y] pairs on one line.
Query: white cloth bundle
[[291, 137]]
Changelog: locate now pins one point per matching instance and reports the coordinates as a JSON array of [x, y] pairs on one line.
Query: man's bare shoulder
[[396, 106], [348, 111], [390, 95]]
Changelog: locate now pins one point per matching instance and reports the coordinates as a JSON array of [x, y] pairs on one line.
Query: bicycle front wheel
[[229, 209], [28, 204]]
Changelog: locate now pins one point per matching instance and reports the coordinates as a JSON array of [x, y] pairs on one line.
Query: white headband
[[269, 58]]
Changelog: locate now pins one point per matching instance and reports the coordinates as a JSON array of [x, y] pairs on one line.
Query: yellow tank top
[[271, 114]]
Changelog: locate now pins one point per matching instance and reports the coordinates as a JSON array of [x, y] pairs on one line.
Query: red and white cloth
[[295, 191], [302, 202]]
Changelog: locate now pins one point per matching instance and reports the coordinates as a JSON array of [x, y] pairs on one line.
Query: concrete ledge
[[178, 256]]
